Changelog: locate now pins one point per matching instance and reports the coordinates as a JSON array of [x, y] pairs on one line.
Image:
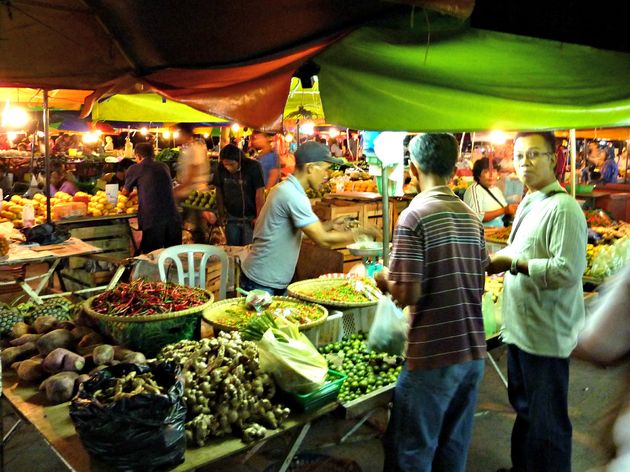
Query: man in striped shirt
[[437, 269]]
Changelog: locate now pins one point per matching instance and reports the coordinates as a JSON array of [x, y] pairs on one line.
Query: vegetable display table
[[55, 425], [54, 253]]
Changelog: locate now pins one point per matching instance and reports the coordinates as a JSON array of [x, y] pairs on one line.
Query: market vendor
[[157, 214], [486, 199], [120, 172], [61, 181], [610, 169], [287, 214]]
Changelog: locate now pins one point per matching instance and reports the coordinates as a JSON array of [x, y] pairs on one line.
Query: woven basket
[[217, 310], [148, 334], [303, 289]]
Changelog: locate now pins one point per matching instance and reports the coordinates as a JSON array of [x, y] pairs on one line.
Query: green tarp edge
[[386, 78]]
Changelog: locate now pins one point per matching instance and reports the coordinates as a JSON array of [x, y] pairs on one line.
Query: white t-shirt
[[481, 202]]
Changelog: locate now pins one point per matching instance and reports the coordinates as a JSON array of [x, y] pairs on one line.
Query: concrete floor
[[591, 390]]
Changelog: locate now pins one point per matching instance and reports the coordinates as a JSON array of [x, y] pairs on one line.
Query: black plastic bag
[[143, 432], [44, 234]]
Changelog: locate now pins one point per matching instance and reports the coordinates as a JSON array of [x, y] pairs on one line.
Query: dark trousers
[[432, 419], [538, 390], [247, 284], [239, 231], [161, 235]]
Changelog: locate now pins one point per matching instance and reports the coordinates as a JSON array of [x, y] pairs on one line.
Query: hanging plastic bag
[[292, 360], [141, 432], [389, 329], [488, 310]]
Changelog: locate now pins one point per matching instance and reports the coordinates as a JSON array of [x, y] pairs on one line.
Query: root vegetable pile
[[128, 386], [141, 298], [224, 389]]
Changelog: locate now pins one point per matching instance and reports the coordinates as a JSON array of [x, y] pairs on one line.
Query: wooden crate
[[77, 279], [113, 238]]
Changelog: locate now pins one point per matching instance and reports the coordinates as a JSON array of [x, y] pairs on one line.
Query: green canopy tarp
[[397, 77]]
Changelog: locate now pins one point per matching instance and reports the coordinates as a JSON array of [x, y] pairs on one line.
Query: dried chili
[[142, 298]]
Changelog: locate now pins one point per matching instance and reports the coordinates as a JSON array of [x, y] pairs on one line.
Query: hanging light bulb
[[14, 117], [333, 132], [236, 127], [166, 134], [289, 137], [89, 138], [144, 131], [206, 135], [308, 128], [498, 137]]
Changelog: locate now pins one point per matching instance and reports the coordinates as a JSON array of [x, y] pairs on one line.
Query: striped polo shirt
[[439, 241]]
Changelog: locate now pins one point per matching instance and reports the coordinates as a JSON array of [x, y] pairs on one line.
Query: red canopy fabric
[[253, 94], [231, 59]]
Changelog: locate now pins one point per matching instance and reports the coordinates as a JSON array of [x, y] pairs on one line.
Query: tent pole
[[461, 146], [46, 124], [573, 146], [33, 144], [297, 133], [472, 146], [385, 187]]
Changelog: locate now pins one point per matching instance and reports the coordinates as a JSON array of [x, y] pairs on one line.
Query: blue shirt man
[[287, 214]]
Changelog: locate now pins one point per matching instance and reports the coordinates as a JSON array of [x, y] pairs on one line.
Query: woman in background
[[485, 198]]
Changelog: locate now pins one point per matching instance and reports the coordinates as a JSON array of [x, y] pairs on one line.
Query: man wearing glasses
[[543, 306]]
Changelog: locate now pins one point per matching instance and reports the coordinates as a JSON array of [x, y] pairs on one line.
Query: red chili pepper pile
[[142, 298]]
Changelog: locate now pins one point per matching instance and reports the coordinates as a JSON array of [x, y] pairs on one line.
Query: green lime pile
[[205, 200], [367, 371]]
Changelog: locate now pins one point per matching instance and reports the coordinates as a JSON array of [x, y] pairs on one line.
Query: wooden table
[[55, 425], [21, 255]]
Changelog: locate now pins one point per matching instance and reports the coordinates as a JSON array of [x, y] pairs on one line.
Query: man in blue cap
[[287, 214]]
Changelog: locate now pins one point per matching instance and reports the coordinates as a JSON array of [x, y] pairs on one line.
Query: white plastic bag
[[389, 329], [292, 360]]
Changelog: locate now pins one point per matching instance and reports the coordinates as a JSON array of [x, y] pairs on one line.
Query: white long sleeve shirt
[[544, 312]]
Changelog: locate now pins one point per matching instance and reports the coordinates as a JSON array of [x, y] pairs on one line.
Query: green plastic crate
[[327, 393]]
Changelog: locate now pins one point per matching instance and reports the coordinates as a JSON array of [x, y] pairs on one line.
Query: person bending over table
[[158, 218], [286, 214]]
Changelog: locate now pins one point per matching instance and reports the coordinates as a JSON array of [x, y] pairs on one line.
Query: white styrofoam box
[[342, 323]]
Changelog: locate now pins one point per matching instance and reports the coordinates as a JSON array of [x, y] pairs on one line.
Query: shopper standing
[[193, 173], [158, 218], [437, 269], [267, 157], [543, 306], [240, 194]]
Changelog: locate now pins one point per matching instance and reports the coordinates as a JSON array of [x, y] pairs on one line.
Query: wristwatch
[[514, 267]]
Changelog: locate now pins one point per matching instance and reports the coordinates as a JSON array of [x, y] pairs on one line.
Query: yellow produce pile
[[97, 205], [4, 245]]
